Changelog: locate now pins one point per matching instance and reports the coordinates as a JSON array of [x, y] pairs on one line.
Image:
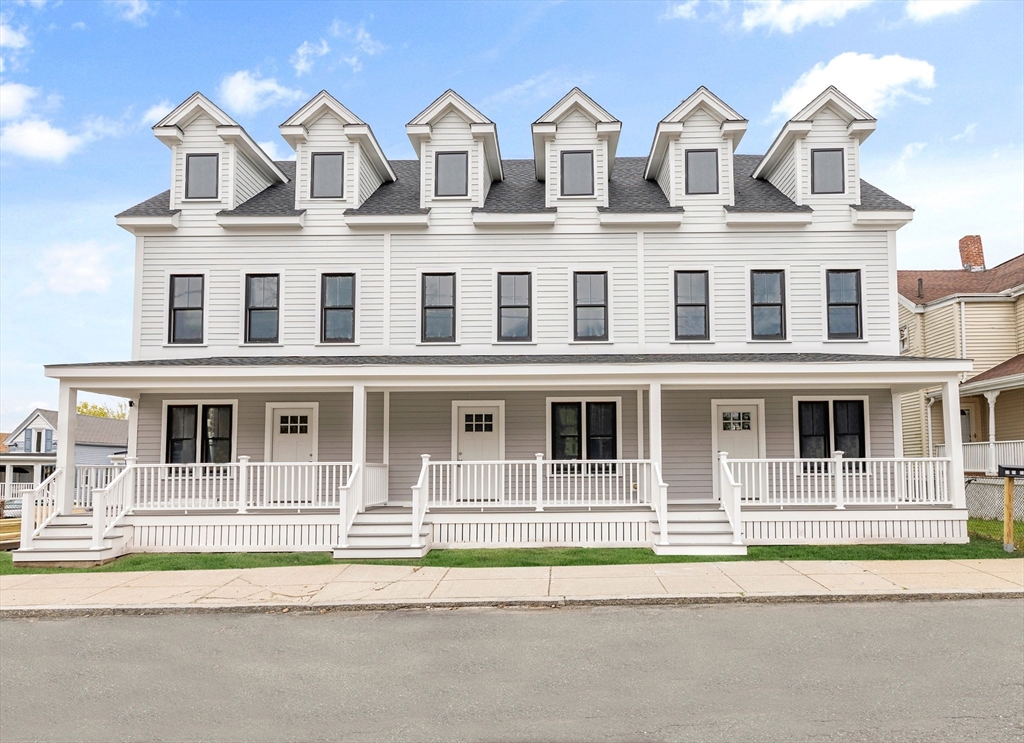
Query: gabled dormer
[[457, 147], [691, 157], [815, 159], [216, 164], [574, 147], [338, 162]]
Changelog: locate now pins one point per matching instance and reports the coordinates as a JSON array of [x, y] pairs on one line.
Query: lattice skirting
[[888, 528], [244, 535], [561, 533]]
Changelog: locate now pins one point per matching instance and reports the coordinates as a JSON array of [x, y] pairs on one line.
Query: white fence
[[985, 456], [839, 482]]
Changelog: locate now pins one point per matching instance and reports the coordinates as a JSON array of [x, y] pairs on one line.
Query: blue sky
[[82, 83]]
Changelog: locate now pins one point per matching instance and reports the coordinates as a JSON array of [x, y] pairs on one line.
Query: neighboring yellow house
[[973, 313]]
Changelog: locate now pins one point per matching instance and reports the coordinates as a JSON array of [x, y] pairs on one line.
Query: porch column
[[67, 421], [654, 421], [133, 424], [37, 474], [8, 474], [358, 438], [954, 445], [928, 424], [990, 461], [897, 425]]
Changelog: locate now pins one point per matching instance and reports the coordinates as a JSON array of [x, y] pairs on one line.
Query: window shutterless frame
[[842, 291], [768, 305], [338, 308], [451, 174], [831, 182], [262, 305], [186, 309], [701, 172], [515, 300], [199, 433], [590, 304], [692, 306], [577, 173], [197, 167], [325, 188], [438, 308]]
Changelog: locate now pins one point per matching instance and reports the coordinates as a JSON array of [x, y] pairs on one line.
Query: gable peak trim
[[316, 106], [838, 100], [449, 101]]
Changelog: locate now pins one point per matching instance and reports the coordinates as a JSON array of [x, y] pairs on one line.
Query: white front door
[[479, 440], [737, 430], [293, 435]]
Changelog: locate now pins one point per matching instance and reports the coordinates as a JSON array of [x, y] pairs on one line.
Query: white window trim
[[456, 404], [496, 293], [268, 430], [199, 422], [672, 302], [610, 298], [458, 305], [168, 273], [583, 424], [824, 302], [762, 446], [357, 320], [748, 297], [797, 399], [281, 283], [346, 186]]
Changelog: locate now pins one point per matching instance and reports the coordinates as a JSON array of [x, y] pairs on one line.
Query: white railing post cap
[[244, 458]]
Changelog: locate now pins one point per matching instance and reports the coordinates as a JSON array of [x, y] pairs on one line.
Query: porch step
[[383, 532], [696, 529], [379, 553], [700, 549], [68, 540]]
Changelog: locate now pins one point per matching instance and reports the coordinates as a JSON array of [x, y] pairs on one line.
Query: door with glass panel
[[479, 476]]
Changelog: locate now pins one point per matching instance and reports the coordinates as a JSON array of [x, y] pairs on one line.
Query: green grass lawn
[[986, 542]]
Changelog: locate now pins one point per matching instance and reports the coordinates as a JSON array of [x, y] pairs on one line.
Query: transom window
[[701, 171], [480, 422], [843, 288], [513, 306], [261, 308], [826, 426], [827, 171], [438, 307], [186, 309], [768, 305], [199, 429], [338, 319], [451, 177], [201, 176], [327, 176], [294, 424], [692, 305], [590, 308], [578, 173]]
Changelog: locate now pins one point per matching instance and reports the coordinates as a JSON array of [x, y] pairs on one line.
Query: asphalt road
[[913, 671]]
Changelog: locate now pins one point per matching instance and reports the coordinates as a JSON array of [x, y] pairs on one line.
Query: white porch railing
[[838, 482], [90, 477], [296, 484], [11, 496], [731, 494], [986, 456], [375, 485], [40, 506], [110, 504]]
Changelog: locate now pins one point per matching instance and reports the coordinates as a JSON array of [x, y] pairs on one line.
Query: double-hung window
[[451, 176], [338, 315], [843, 290], [590, 306], [827, 426], [201, 176], [701, 171], [262, 308], [578, 173], [327, 176], [692, 306], [768, 305], [438, 321], [186, 311], [827, 171], [514, 306], [199, 434], [584, 431]]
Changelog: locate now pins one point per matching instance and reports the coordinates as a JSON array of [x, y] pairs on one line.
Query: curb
[[555, 602]]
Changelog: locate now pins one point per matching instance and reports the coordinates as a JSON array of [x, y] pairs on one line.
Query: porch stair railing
[[660, 503], [40, 506], [111, 504], [731, 496]]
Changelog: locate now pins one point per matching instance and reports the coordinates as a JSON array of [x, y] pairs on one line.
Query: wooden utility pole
[[1008, 474]]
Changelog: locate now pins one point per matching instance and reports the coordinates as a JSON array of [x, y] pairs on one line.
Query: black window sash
[[199, 434], [705, 306], [337, 308], [849, 428], [312, 175], [815, 187], [781, 305], [692, 189], [186, 307], [578, 305], [506, 303], [181, 434], [250, 308], [828, 426], [562, 179], [202, 157], [436, 308], [854, 305], [584, 432], [446, 190]]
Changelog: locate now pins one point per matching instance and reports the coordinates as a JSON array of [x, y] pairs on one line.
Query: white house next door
[[292, 435]]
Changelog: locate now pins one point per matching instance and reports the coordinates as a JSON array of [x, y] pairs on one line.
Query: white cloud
[[874, 83], [247, 93], [354, 62], [909, 152], [39, 140], [361, 42], [303, 58], [12, 38], [788, 16], [967, 135], [15, 99], [686, 10], [133, 11], [156, 112], [275, 151], [543, 87], [73, 268], [923, 11]]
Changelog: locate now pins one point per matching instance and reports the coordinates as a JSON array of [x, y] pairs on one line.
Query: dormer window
[[452, 174], [201, 176], [327, 176], [701, 171], [827, 171], [578, 173]]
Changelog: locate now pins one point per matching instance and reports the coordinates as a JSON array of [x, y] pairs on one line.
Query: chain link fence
[[985, 498]]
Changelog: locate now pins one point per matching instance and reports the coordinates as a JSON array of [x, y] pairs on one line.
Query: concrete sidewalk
[[350, 586]]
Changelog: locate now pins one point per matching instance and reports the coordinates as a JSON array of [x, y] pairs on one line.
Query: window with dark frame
[[578, 173], [590, 306], [451, 176], [827, 172], [848, 421], [203, 430], [692, 306], [768, 305], [514, 306], [584, 431], [814, 433], [201, 176], [338, 314], [186, 310], [827, 426], [262, 308], [438, 308], [327, 176], [181, 434], [843, 295], [701, 172], [479, 422]]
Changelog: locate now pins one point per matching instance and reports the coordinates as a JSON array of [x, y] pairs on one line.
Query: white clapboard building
[[693, 350]]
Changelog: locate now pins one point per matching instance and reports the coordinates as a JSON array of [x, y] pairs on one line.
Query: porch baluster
[[243, 483]]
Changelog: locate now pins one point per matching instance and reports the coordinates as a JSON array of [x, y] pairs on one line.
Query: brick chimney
[[972, 256]]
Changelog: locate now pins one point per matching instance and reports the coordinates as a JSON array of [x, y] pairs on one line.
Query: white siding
[[703, 132], [451, 133], [249, 181], [327, 134], [784, 175], [829, 132], [576, 132], [199, 136], [369, 178], [665, 172]]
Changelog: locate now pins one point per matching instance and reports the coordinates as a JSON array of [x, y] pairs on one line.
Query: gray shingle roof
[[158, 206], [753, 195], [89, 429], [873, 198], [630, 193], [492, 360], [401, 196], [519, 193], [276, 201]]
